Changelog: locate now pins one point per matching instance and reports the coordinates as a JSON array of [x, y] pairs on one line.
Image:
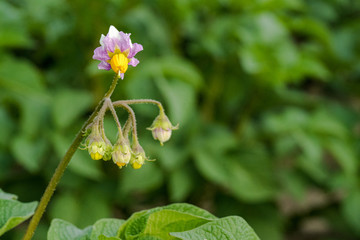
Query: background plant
[[269, 108]]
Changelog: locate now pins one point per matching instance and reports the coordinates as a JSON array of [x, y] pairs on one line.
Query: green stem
[[139, 101], [131, 115], [99, 121], [61, 168], [112, 87], [113, 112], [127, 127]]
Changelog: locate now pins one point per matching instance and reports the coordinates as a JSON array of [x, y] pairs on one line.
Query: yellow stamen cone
[[136, 165], [119, 63]]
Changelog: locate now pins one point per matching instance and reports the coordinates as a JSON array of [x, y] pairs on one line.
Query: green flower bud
[[122, 153], [96, 147], [138, 157], [162, 128], [108, 151]]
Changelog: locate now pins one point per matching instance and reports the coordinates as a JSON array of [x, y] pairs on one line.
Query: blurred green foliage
[[266, 93]]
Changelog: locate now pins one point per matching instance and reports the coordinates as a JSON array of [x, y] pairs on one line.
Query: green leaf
[[311, 27], [311, 159], [190, 209], [310, 146], [106, 229], [325, 123], [229, 172], [220, 139], [102, 237], [292, 119], [69, 105], [173, 67], [13, 212], [142, 18], [267, 28], [20, 76], [33, 115], [248, 186], [226, 228], [314, 169], [42, 10], [156, 221], [211, 167], [345, 154], [160, 223], [313, 67], [8, 196], [180, 184], [62, 230], [28, 152], [176, 92], [24, 83], [12, 30]]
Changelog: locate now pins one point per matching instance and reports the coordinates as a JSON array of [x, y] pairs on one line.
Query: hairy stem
[[131, 115], [139, 101], [113, 112], [127, 127], [62, 166]]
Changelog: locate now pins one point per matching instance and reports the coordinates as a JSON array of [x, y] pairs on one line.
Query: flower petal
[[133, 62], [124, 41], [104, 65], [113, 32], [135, 49], [102, 39], [101, 54], [109, 44]]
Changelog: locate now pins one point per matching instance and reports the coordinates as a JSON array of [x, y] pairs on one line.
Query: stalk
[[62, 166]]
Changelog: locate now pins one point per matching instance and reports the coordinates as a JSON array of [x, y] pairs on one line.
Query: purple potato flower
[[117, 52]]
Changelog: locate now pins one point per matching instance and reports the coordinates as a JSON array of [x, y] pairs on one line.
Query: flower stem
[[139, 101], [125, 104], [113, 112], [127, 127], [131, 116], [62, 166]]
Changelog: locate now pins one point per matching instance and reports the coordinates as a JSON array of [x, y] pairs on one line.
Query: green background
[[266, 93]]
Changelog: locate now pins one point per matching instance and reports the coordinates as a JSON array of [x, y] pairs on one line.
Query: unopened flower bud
[[96, 148], [108, 151], [162, 128], [138, 157], [122, 153]]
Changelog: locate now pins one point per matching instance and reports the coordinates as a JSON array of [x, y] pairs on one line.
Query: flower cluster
[[117, 52], [124, 152]]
